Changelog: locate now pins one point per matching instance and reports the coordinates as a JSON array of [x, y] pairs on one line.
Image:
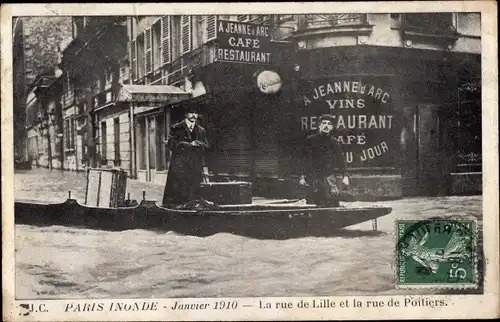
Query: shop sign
[[269, 82], [243, 42], [365, 121]]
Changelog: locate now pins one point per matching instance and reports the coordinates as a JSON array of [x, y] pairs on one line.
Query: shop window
[[429, 23], [141, 143], [116, 132], [151, 142], [161, 161]]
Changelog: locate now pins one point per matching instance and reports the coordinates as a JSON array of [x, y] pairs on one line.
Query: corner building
[[405, 93], [404, 89]]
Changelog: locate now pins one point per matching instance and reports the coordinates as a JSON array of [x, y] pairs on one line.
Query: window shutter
[[211, 25], [166, 47], [186, 34], [148, 50], [133, 49], [243, 18]]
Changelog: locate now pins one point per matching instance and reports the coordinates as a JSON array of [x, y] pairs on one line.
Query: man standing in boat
[[188, 142], [322, 163]]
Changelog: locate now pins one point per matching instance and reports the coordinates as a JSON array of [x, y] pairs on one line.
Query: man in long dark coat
[[188, 143], [322, 163]]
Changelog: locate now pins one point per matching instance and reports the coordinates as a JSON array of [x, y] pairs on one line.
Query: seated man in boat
[[188, 142], [322, 163]]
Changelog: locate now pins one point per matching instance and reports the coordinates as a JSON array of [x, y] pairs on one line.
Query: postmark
[[437, 253]]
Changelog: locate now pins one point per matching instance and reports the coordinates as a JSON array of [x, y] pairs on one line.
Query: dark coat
[[322, 156], [322, 161], [186, 164]]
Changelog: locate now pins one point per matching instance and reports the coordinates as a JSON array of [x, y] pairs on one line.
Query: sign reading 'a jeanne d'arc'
[[243, 42], [364, 118]]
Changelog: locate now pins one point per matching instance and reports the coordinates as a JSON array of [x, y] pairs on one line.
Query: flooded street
[[60, 263]]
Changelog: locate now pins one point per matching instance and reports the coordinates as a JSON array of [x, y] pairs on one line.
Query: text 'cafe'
[[243, 42]]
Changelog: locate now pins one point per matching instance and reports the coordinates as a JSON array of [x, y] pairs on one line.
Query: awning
[[165, 94]]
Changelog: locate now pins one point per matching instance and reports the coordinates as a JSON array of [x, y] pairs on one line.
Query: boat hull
[[258, 222]]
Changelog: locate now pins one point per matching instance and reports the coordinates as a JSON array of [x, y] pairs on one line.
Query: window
[[116, 132], [211, 25], [141, 58], [102, 80], [176, 37], [165, 45], [157, 59], [133, 49], [429, 22], [148, 42], [72, 133], [104, 134], [186, 34], [469, 24], [67, 133]]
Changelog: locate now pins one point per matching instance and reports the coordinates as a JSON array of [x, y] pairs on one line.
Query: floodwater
[[62, 263]]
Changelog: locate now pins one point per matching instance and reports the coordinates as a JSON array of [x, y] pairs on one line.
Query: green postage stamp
[[436, 253]]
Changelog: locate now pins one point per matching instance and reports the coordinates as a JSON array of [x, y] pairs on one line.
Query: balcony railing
[[340, 19]]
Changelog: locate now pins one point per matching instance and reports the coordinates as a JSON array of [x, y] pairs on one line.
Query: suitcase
[[105, 188], [227, 193]]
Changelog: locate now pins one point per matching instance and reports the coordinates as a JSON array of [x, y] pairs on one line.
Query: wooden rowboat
[[275, 221]]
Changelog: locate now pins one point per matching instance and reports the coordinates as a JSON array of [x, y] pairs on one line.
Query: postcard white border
[[458, 306]]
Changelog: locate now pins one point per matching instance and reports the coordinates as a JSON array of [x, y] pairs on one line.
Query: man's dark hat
[[328, 117], [191, 108]]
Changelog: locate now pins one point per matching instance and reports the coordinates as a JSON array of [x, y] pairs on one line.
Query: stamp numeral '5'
[[436, 253]]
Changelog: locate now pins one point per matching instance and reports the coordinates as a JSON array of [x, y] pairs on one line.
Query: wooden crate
[[105, 188], [227, 193]]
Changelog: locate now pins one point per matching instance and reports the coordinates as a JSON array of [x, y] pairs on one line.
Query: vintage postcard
[[250, 161]]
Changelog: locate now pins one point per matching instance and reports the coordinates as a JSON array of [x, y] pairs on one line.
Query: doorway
[[428, 153]]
